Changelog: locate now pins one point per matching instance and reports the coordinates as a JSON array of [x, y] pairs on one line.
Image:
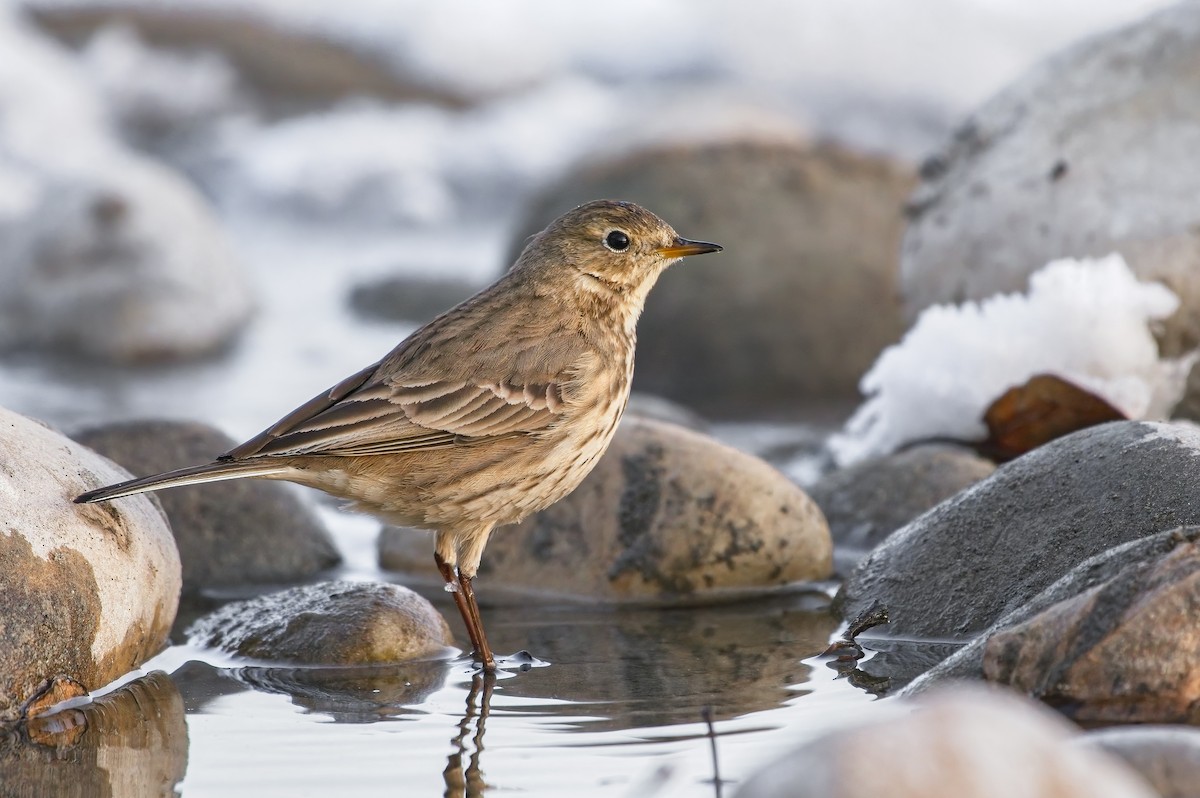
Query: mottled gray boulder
[[1168, 757], [867, 502], [328, 623], [805, 294], [102, 252], [244, 531], [1124, 651], [87, 591], [964, 743], [409, 298], [667, 515], [1082, 156], [987, 551]]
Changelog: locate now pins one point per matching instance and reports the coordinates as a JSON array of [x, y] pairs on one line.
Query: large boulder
[[245, 531], [810, 237], [1080, 157], [666, 515], [968, 743], [990, 549], [329, 623], [101, 251], [87, 591]]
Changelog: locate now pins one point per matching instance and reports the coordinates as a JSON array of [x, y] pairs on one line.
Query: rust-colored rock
[[1042, 409], [1124, 651]]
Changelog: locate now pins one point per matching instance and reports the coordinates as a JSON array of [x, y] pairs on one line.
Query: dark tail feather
[[209, 472]]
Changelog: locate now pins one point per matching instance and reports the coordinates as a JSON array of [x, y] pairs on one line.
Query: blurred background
[[212, 209]]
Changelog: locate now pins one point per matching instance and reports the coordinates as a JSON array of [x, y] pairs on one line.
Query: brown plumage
[[494, 410]]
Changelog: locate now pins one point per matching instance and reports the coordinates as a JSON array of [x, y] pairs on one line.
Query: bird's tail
[[209, 472]]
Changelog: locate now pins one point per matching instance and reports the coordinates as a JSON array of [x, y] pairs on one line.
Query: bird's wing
[[372, 413]]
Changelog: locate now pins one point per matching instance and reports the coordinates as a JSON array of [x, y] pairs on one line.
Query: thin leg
[[483, 652], [449, 574]]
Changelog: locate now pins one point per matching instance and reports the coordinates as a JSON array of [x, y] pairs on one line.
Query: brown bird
[[494, 410]]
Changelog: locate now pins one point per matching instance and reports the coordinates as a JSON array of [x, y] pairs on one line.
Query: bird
[[493, 411]]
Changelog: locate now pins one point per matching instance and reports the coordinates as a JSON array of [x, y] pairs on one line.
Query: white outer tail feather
[[193, 475]]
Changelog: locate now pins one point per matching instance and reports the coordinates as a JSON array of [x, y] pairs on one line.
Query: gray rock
[[987, 551], [245, 531], [328, 623], [87, 591], [867, 502], [409, 298], [1166, 756], [804, 296], [964, 743], [102, 252], [668, 515], [1079, 157]]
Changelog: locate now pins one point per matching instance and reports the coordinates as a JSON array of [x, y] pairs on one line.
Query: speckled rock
[[244, 531], [987, 551], [328, 623], [1079, 157], [811, 237], [965, 743], [867, 502], [88, 591], [667, 515], [102, 252], [132, 741], [1166, 756], [409, 298], [1124, 651]]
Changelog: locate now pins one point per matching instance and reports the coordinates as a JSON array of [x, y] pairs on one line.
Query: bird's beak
[[681, 248]]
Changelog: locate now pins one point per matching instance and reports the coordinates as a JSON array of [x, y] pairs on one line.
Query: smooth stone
[[961, 743], [130, 742], [103, 252], [811, 236], [1124, 651], [409, 298], [1079, 157], [989, 550], [328, 623], [867, 502], [1166, 756], [237, 532], [87, 591], [967, 661], [667, 515]]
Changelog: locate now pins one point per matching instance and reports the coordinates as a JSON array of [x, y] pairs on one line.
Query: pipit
[[494, 410]]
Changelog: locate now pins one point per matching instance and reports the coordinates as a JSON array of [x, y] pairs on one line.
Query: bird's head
[[608, 247]]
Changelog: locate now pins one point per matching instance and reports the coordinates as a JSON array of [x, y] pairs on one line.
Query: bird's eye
[[617, 241]]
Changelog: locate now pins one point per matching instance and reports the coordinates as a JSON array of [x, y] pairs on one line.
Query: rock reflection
[[355, 694], [468, 782], [622, 663], [131, 742]]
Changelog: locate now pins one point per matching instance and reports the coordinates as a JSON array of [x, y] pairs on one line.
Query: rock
[[102, 252], [132, 741], [1124, 651], [656, 408], [328, 623], [990, 549], [238, 532], [409, 298], [667, 515], [1079, 157], [1166, 756], [867, 502], [967, 661], [965, 743], [289, 67], [87, 591], [810, 236]]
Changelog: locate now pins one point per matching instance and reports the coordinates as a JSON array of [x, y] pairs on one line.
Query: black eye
[[617, 241]]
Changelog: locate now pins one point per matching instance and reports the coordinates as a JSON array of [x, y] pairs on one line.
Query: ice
[[1087, 321]]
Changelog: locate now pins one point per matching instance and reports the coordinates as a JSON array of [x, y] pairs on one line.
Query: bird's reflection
[[468, 782]]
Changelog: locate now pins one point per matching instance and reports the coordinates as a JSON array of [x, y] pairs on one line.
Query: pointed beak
[[681, 248]]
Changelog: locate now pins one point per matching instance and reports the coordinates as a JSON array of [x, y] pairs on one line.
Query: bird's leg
[[450, 574], [470, 551]]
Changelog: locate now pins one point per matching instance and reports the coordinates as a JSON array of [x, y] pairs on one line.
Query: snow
[[1087, 321]]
